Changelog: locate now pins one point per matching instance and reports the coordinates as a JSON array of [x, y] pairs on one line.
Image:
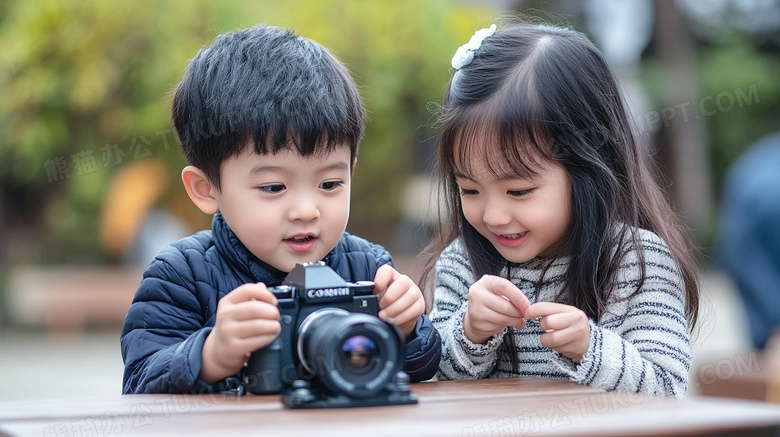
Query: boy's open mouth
[[301, 242], [301, 239]]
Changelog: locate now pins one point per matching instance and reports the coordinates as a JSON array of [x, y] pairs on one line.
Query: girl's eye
[[331, 185], [467, 191], [519, 193], [273, 188]]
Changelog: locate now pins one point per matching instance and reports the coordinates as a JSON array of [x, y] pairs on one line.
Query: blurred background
[[90, 166]]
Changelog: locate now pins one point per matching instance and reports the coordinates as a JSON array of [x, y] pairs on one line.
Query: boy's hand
[[566, 328], [247, 319], [399, 298], [494, 303]]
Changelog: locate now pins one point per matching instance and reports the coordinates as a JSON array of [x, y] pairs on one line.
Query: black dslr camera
[[333, 350]]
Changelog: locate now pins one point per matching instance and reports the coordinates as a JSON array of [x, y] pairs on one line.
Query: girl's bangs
[[509, 140]]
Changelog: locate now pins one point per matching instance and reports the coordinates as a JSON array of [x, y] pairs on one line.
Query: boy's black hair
[[267, 87]]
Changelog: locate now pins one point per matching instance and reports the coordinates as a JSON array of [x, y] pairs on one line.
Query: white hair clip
[[465, 53]]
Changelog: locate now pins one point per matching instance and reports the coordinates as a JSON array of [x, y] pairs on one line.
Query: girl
[[560, 257]]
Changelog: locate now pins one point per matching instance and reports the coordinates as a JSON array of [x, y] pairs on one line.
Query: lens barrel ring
[[327, 334]]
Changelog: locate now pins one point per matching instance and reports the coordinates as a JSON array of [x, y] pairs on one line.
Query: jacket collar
[[239, 257]]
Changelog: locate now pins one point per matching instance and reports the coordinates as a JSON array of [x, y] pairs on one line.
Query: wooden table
[[497, 407]]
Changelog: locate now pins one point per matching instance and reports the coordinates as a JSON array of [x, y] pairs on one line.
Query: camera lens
[[354, 354], [359, 352]]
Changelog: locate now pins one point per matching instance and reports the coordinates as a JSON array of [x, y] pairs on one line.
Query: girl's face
[[524, 218]]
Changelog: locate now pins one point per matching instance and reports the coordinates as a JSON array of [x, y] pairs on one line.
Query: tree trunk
[[681, 132]]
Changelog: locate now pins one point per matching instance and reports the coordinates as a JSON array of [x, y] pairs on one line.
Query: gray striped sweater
[[640, 345]]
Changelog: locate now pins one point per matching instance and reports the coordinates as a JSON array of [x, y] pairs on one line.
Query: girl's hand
[[494, 303], [400, 299], [566, 328], [247, 319]]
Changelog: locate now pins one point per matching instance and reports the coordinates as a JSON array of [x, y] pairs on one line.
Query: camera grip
[[262, 374]]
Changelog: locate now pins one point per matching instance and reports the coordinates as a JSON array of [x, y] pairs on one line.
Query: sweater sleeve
[[642, 345], [461, 359], [164, 331]]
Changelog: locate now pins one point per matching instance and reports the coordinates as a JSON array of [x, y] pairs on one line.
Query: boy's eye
[[273, 188], [331, 185]]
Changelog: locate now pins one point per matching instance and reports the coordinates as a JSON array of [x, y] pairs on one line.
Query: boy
[[270, 124]]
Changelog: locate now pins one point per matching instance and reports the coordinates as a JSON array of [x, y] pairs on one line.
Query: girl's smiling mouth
[[511, 240]]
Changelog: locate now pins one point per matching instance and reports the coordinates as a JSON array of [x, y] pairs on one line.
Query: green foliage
[[76, 77], [738, 97], [85, 91], [742, 82]]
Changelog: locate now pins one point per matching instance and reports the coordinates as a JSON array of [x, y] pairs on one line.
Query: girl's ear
[[201, 191]]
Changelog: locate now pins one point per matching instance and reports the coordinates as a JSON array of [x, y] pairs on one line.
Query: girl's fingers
[[555, 339], [486, 320], [501, 306], [542, 309], [567, 331], [491, 312], [506, 289], [500, 321], [567, 342], [557, 321]]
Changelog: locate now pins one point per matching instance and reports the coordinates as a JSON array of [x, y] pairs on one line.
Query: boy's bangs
[[509, 144], [318, 128], [307, 141]]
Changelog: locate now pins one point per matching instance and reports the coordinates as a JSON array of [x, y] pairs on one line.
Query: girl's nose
[[496, 214]]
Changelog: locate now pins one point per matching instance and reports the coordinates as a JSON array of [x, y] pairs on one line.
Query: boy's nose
[[304, 209]]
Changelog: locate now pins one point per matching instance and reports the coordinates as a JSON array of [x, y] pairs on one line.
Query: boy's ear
[[354, 163], [201, 191]]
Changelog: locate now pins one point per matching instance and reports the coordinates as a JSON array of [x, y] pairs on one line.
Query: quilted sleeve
[[164, 329]]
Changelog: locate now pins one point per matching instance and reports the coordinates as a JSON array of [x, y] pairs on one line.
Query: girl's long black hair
[[537, 92]]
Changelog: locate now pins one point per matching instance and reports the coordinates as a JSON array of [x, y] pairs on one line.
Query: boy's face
[[286, 208]]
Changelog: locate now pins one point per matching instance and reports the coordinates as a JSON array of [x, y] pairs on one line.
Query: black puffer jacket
[[175, 306]]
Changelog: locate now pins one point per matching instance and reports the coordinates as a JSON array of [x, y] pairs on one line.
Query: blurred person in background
[[749, 235]]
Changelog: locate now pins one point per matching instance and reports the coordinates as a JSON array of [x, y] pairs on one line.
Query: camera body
[[333, 350]]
